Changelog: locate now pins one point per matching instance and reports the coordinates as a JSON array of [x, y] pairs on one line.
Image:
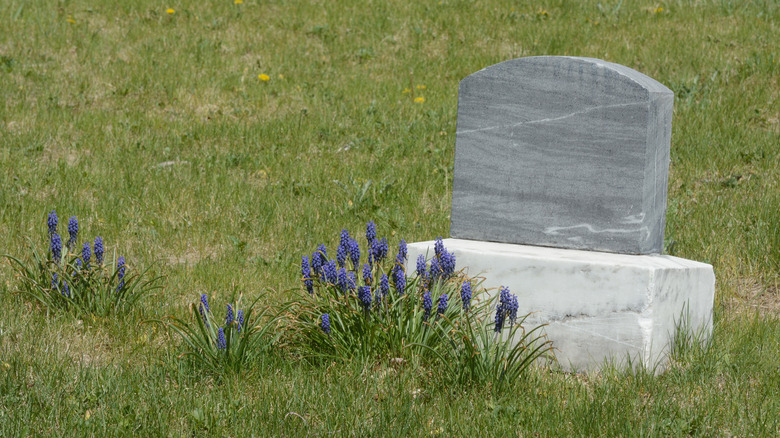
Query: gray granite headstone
[[564, 152]]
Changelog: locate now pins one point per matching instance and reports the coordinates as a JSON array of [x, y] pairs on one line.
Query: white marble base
[[598, 306]]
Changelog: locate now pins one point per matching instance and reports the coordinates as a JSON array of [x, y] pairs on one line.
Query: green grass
[[262, 172]]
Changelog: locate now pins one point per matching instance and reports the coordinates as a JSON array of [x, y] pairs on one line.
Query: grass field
[[219, 141]]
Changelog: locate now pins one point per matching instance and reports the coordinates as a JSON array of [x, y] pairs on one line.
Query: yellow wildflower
[[659, 9], [421, 87], [407, 90], [71, 20], [170, 11], [264, 77], [238, 2], [419, 99]]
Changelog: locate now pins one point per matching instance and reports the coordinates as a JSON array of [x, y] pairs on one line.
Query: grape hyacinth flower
[[379, 250], [221, 342], [399, 280], [325, 324], [447, 264], [51, 222], [316, 264], [354, 253], [465, 295], [435, 271], [54, 280], [513, 306], [341, 255], [421, 266], [364, 295], [504, 306], [438, 247], [73, 231], [442, 305], [86, 254], [56, 247], [370, 232], [230, 317], [120, 265], [65, 289], [343, 280], [367, 276], [329, 272], [204, 308], [99, 250], [306, 273], [240, 319], [427, 305], [323, 253], [384, 285], [402, 252]]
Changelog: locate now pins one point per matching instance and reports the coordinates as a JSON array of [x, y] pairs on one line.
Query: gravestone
[[559, 193], [562, 152]]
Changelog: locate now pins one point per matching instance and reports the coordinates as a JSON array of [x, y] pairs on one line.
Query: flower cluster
[[506, 310], [234, 321]]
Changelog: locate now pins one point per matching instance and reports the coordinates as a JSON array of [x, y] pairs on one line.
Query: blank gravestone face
[[563, 152]]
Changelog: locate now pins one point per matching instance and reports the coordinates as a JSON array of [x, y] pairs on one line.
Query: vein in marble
[[551, 119], [599, 335], [555, 231]]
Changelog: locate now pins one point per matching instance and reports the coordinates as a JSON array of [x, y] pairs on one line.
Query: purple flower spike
[[438, 247], [354, 253], [86, 254], [427, 305], [120, 265], [370, 232], [384, 285], [325, 325], [229, 318], [364, 295], [367, 276], [306, 273], [55, 245], [240, 319], [51, 222], [99, 250], [73, 231], [221, 343], [442, 305], [421, 266], [465, 295]]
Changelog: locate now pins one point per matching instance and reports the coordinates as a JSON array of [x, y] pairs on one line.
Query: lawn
[[219, 141]]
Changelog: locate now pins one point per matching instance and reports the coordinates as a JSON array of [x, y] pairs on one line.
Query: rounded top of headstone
[[609, 70]]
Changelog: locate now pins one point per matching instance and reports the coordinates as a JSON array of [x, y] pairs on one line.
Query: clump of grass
[[230, 344], [65, 279], [479, 349]]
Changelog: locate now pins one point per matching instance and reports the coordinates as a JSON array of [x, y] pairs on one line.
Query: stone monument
[[559, 193]]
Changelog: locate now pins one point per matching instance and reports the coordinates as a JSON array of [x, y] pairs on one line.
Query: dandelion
[[407, 90], [442, 305], [73, 231], [170, 11], [427, 305], [51, 222], [229, 318], [264, 77], [99, 250], [86, 254], [421, 87], [325, 324], [70, 19], [419, 99], [465, 295], [55, 245], [238, 2], [221, 342]]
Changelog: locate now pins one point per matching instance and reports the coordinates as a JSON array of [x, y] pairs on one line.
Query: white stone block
[[598, 306]]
